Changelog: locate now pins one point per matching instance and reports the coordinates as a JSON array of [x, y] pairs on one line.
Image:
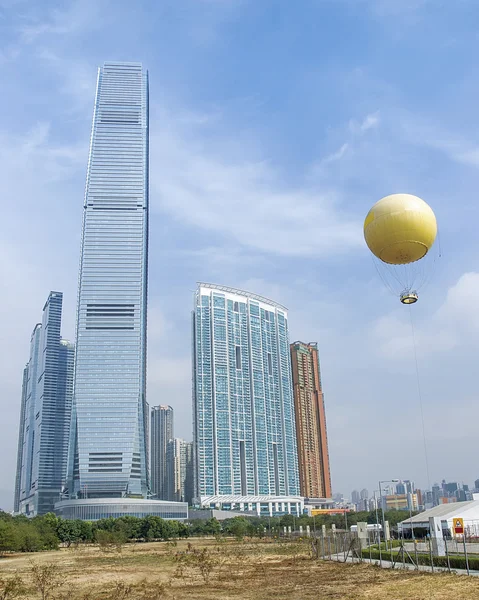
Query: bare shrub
[[109, 541], [45, 579], [205, 563], [152, 590], [12, 588], [121, 591]]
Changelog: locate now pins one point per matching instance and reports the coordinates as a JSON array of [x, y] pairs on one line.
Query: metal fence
[[456, 555]]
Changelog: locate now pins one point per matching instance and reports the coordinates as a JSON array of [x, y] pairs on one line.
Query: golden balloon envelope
[[400, 229]]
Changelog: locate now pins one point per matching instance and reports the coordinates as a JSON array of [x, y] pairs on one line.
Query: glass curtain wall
[[245, 436], [108, 442]]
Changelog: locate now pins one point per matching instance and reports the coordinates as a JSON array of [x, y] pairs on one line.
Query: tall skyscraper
[[180, 469], [161, 432], [313, 455], [244, 429], [21, 440], [45, 415], [108, 457]]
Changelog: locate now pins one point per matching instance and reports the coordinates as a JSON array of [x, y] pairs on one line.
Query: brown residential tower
[[312, 439]]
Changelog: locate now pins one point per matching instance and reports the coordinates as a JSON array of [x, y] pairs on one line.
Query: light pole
[[382, 507]]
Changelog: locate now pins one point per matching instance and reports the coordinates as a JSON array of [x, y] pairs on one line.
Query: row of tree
[[19, 534], [254, 526]]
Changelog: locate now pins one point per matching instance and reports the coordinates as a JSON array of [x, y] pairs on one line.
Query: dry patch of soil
[[206, 569]]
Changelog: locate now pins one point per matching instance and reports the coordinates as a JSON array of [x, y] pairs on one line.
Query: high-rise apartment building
[[244, 429], [45, 415], [108, 457], [180, 470], [161, 432], [313, 455]]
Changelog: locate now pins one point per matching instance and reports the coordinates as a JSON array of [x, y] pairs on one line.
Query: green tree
[[8, 537], [130, 526], [86, 530], [183, 530], [238, 526], [29, 538], [46, 527], [152, 528], [69, 531], [4, 516]]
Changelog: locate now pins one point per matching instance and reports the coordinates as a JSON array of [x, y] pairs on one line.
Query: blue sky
[[274, 127]]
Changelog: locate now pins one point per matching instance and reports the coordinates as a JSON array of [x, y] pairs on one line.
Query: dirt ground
[[217, 570]]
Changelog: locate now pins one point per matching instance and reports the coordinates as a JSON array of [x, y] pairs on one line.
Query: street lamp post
[[382, 507], [378, 534]]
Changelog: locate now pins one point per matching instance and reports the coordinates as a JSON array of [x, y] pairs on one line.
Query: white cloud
[[217, 186], [369, 122], [31, 160], [422, 131], [76, 17]]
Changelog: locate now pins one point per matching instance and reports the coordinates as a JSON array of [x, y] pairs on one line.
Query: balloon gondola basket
[[409, 298]]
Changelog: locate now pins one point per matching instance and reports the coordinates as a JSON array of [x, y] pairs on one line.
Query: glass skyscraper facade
[[108, 457], [179, 456], [45, 415], [244, 426], [161, 432]]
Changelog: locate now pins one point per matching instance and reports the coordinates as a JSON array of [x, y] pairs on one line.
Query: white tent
[[468, 511]]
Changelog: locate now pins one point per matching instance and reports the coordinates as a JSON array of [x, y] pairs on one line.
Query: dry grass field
[[215, 570]]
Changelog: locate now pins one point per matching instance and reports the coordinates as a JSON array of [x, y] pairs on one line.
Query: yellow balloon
[[400, 229]]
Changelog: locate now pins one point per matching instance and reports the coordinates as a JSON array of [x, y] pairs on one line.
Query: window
[[238, 357], [236, 306], [270, 364]]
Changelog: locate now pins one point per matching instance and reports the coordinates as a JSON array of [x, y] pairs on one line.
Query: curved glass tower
[[108, 444], [244, 428]]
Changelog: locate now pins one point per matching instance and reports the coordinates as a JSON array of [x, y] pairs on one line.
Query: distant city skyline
[[260, 179]]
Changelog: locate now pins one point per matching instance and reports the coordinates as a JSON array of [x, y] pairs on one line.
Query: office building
[[401, 502], [21, 440], [355, 497], [312, 439], [161, 432], [44, 415], [244, 428], [180, 470], [108, 457], [450, 489]]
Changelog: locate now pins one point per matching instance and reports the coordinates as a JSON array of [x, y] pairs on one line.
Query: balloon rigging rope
[[420, 399]]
